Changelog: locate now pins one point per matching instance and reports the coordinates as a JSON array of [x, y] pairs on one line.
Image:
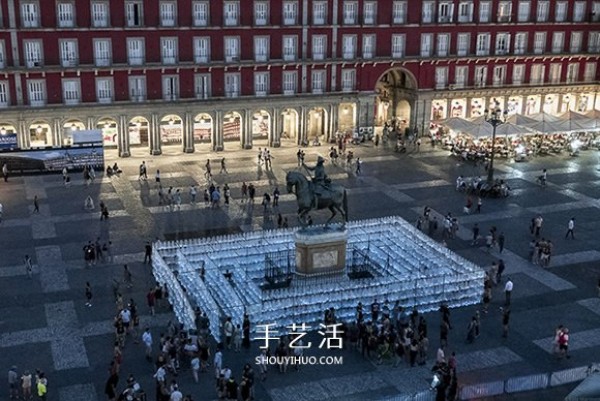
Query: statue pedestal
[[320, 251]]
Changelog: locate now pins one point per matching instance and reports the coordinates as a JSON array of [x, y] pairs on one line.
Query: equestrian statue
[[318, 193]]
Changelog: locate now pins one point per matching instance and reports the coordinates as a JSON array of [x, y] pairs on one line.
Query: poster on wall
[[109, 136], [202, 131], [170, 134], [134, 136], [8, 141], [81, 137], [46, 160], [260, 128], [232, 129]]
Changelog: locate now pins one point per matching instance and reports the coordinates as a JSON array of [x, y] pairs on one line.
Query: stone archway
[[346, 118], [69, 127], [40, 134], [290, 125], [110, 131], [171, 130], [232, 127], [139, 131], [261, 124], [394, 87], [203, 128], [317, 124]]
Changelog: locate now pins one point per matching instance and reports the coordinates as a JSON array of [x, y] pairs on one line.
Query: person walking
[[193, 193], [276, 194], [5, 172], [36, 204], [358, 166], [223, 167], [88, 294], [13, 383], [147, 340], [563, 343], [157, 178], [501, 239], [501, 268], [570, 228], [475, 234], [28, 265], [148, 252], [505, 321], [479, 204], [508, 288], [127, 277], [26, 385], [244, 191]]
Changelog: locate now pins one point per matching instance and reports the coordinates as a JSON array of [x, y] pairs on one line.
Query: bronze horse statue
[[333, 197]]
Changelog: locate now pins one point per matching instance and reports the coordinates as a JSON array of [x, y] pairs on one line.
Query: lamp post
[[494, 118]]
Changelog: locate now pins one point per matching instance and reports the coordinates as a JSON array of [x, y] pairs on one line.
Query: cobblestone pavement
[[44, 323]]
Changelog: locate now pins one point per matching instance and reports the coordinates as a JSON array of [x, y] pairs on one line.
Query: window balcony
[[73, 62], [318, 56], [368, 54], [317, 91], [261, 93], [37, 102], [171, 97], [231, 21], [441, 85], [260, 57], [504, 18], [232, 93], [289, 21], [105, 100], [349, 56], [347, 88], [201, 59], [103, 61], [34, 63], [200, 21], [232, 58], [370, 20], [289, 92], [444, 19], [261, 21], [72, 101], [134, 60], [138, 98], [289, 57], [319, 21]]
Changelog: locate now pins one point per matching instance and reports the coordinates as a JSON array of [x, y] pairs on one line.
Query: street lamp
[[495, 118]]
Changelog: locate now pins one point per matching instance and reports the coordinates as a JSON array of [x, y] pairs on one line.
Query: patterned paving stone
[[78, 392]]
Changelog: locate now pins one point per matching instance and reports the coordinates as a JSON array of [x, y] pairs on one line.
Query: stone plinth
[[320, 251]]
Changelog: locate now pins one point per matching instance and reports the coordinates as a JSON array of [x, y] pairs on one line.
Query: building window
[[69, 56], [232, 85], [462, 47], [30, 14], [134, 15], [558, 42], [170, 87], [200, 13], [289, 48], [290, 82], [465, 12], [290, 12], [461, 76], [231, 13], [398, 45], [521, 43], [368, 46], [261, 48], [169, 50], [560, 14], [202, 49], [2, 55], [100, 14], [484, 11], [441, 77], [579, 11], [555, 71], [168, 13], [350, 12], [104, 90], [595, 17], [504, 11], [594, 42], [102, 52], [137, 88], [427, 12], [483, 44], [443, 43], [319, 47], [502, 43], [318, 81], [71, 91], [499, 78], [542, 11], [232, 49], [261, 13], [4, 99], [135, 51], [348, 80], [33, 53], [518, 74], [539, 42], [524, 10], [319, 12], [576, 40], [369, 12], [65, 15], [445, 12], [426, 44], [480, 76], [589, 74], [202, 86], [261, 83], [399, 12], [536, 76], [36, 92], [572, 73], [349, 47]]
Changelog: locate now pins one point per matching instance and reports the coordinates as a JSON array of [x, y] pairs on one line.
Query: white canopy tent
[[457, 124], [506, 129]]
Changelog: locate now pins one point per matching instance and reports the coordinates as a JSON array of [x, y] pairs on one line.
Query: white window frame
[[104, 90], [169, 50], [319, 47], [485, 11], [37, 92], [443, 44], [370, 13], [138, 89], [168, 13], [100, 14], [261, 13], [558, 42], [461, 76], [170, 87], [426, 45], [261, 48], [499, 75], [576, 42], [319, 12], [30, 14], [34, 53], [524, 11], [202, 86], [560, 11], [399, 8], [539, 43], [463, 44], [595, 11], [480, 77], [555, 72], [134, 14], [593, 42], [589, 73], [69, 52], [71, 91], [2, 54], [502, 43], [133, 58], [428, 12], [441, 77], [317, 81], [290, 12], [465, 11], [482, 46], [349, 46], [261, 83], [572, 73], [350, 12], [65, 14], [348, 81], [231, 13], [521, 43], [518, 74], [543, 10], [232, 84], [4, 94], [398, 45], [200, 13], [368, 46], [289, 82], [201, 49], [290, 47], [102, 52], [536, 74], [579, 11], [231, 49], [504, 11]]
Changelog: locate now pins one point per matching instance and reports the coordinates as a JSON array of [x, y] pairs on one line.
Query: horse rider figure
[[320, 180]]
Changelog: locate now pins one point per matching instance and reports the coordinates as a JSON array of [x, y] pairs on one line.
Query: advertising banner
[[8, 141], [46, 160], [232, 130]]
